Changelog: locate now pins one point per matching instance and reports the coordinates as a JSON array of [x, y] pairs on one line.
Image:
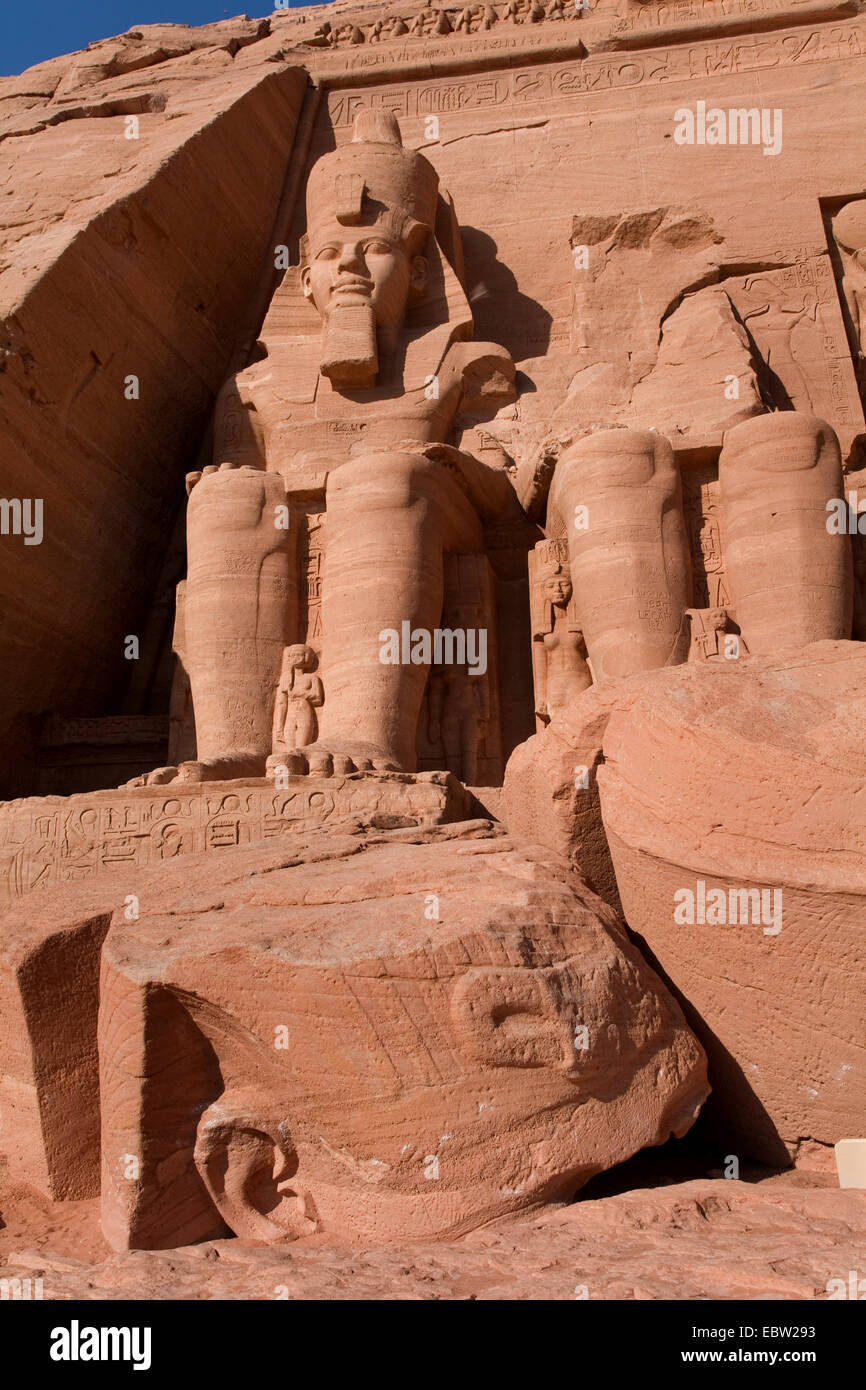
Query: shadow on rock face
[[733, 1120], [501, 312]]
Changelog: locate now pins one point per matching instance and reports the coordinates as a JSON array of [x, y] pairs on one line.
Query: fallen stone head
[[288, 1057]]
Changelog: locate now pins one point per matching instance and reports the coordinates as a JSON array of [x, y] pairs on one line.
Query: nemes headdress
[[370, 179]]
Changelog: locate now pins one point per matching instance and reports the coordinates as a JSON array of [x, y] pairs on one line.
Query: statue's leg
[[790, 573], [304, 721], [240, 609], [620, 498], [390, 518]]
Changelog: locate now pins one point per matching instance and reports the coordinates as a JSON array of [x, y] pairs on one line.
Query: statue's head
[[481, 1093], [849, 225], [381, 265], [321, 1055], [556, 586], [299, 657], [371, 208], [553, 574], [717, 619]]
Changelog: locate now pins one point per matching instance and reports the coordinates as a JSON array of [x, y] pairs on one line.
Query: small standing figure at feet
[[712, 635], [299, 695], [559, 652]]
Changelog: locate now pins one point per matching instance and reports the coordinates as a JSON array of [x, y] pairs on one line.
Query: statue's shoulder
[[487, 373]]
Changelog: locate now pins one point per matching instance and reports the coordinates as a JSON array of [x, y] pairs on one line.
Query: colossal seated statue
[[616, 501], [367, 363]]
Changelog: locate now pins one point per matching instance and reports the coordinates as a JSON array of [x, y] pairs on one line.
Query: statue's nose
[[351, 257]]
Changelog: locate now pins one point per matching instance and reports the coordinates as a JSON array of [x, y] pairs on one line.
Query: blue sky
[[30, 33]]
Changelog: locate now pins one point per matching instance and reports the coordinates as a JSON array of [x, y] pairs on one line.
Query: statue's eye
[[327, 253], [379, 248]]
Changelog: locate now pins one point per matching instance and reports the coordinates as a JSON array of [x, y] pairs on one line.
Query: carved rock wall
[[120, 258]]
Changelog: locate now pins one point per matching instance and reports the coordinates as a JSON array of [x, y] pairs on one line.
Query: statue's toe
[[321, 763], [161, 776]]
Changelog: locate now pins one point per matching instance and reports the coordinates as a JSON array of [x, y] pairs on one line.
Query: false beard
[[350, 357]]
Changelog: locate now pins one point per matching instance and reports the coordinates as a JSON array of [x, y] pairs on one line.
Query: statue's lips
[[352, 289]]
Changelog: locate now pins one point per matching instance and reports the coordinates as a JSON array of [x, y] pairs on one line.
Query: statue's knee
[[393, 480], [627, 457]]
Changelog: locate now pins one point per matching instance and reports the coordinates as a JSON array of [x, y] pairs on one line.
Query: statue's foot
[[204, 770], [222, 769], [328, 760], [159, 777]]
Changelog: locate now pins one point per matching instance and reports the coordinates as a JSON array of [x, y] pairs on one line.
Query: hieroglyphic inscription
[[54, 840], [664, 16], [794, 315], [749, 53], [311, 559], [525, 25], [703, 516]]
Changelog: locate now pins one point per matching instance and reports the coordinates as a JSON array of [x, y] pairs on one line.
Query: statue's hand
[[239, 499], [196, 477]]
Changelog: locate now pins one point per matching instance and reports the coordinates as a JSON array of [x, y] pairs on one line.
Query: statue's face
[[557, 588], [298, 656], [718, 619], [352, 266]]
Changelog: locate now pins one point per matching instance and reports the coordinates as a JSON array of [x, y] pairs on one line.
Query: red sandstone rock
[[444, 998], [466, 1033], [551, 788], [628, 358], [706, 1238], [744, 777]]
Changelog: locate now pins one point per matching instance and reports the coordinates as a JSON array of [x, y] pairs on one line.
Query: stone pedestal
[[54, 840]]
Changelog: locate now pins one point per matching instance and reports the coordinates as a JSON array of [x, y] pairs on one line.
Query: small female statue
[[299, 694], [559, 660]]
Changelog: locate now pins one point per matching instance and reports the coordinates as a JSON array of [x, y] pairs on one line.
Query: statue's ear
[[419, 275], [304, 266], [249, 1166]]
